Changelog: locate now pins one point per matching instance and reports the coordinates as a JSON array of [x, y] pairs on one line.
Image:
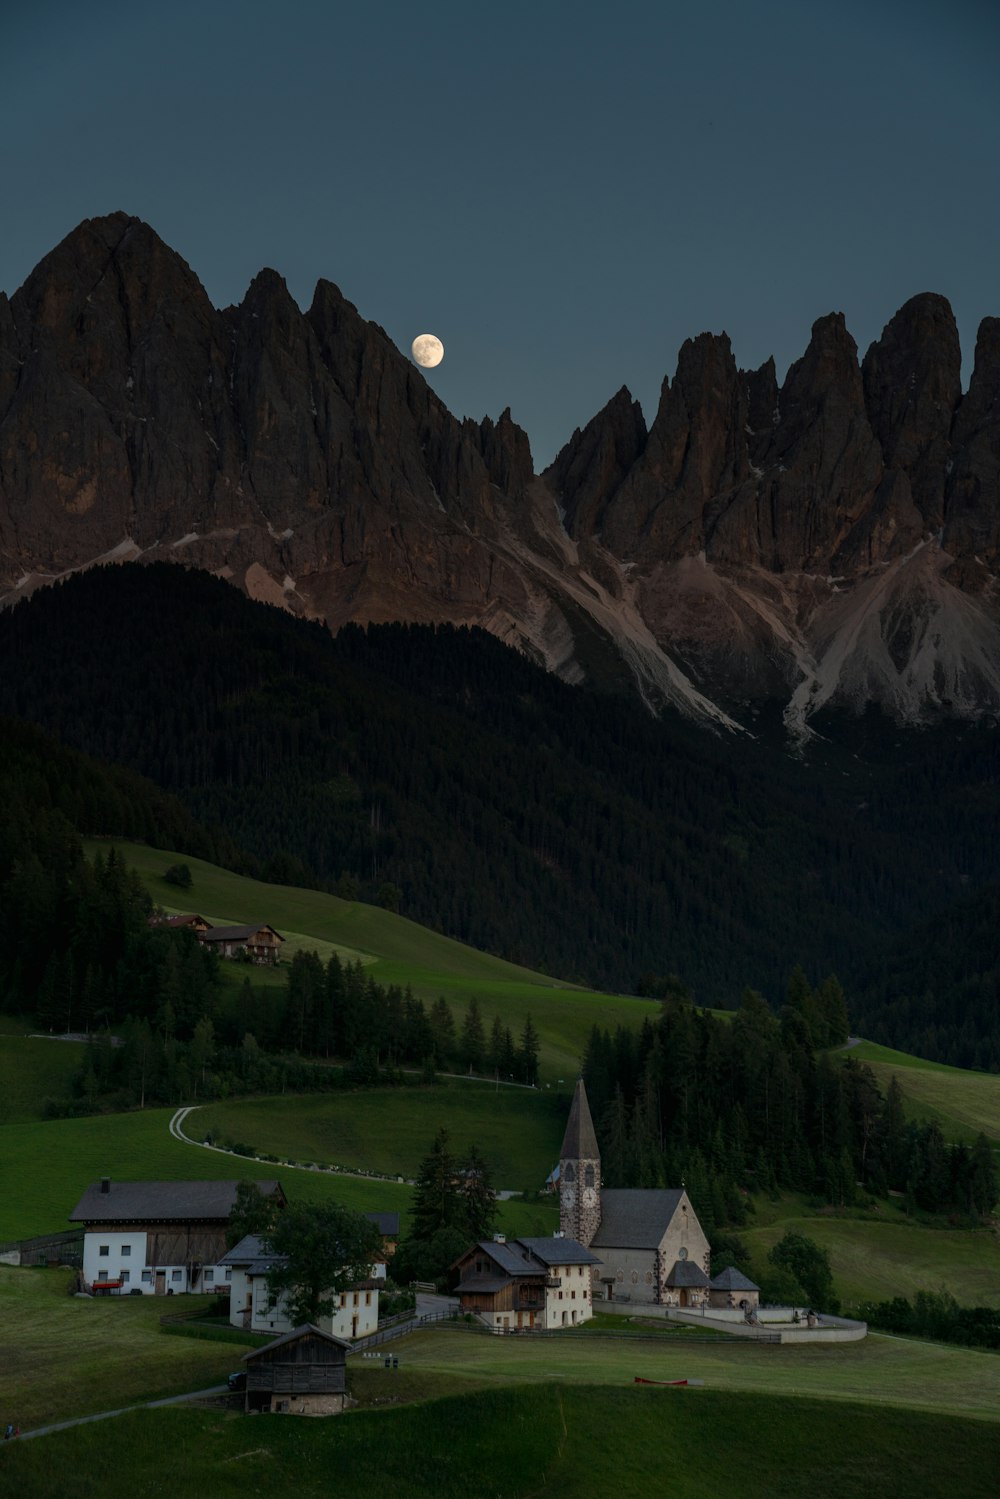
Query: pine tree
[[527, 1056], [473, 1044], [479, 1199], [436, 1199]]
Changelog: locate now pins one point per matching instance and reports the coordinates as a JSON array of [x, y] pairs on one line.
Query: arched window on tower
[[570, 1172], [588, 1176]]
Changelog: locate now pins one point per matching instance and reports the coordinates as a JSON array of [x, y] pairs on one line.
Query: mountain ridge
[[832, 540]]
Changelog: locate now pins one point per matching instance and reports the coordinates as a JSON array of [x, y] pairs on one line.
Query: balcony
[[553, 1282]]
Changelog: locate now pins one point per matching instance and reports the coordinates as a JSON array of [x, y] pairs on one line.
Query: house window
[[102, 1275], [209, 1274], [177, 1275], [368, 1298], [126, 1250], [343, 1298], [147, 1277], [104, 1250], [124, 1276], [229, 1275]]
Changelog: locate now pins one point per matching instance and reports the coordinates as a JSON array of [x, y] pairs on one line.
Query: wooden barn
[[158, 1237], [260, 943], [301, 1374]]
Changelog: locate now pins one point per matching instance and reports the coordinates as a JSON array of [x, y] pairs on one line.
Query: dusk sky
[[562, 192]]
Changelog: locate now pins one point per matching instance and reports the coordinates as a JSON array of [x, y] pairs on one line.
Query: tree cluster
[[752, 1105], [454, 1205], [559, 826]]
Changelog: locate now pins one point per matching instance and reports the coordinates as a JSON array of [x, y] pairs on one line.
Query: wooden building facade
[[302, 1374]]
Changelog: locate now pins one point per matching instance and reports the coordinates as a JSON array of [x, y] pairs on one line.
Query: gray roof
[[580, 1141], [386, 1223], [556, 1251], [238, 933], [687, 1273], [732, 1279], [161, 1202], [249, 1255], [293, 1337], [635, 1217]]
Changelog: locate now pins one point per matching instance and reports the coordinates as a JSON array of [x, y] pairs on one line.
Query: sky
[[562, 192]]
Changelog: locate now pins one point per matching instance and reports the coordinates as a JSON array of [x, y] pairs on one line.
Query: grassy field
[[44, 1169], [965, 1104], [884, 1254], [65, 1356], [32, 1070], [566, 1441], [395, 951], [390, 1130], [882, 1370]]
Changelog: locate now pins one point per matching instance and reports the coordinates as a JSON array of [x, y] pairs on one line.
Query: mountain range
[[832, 541]]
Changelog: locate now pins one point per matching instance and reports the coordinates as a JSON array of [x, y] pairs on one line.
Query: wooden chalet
[[261, 944], [520, 1284], [301, 1374]]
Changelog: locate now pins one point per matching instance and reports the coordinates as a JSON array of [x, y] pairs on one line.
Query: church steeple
[[580, 1172]]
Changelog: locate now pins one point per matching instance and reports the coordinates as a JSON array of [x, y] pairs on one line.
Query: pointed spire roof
[[580, 1141]]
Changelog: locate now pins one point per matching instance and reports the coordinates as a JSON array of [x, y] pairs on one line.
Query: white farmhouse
[[251, 1305], [158, 1238]]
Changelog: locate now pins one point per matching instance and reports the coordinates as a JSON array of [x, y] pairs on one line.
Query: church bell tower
[[580, 1173]]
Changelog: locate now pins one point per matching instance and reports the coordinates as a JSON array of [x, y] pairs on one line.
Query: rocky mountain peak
[[755, 541], [912, 381]]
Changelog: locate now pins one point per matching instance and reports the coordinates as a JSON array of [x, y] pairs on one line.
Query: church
[[649, 1242]]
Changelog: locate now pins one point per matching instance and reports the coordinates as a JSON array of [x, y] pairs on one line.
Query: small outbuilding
[[687, 1285], [301, 1374], [731, 1288]]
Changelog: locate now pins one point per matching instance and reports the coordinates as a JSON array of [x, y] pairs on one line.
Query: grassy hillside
[[883, 1253], [963, 1103], [568, 1442], [390, 1130], [44, 1169], [397, 951], [31, 1070]]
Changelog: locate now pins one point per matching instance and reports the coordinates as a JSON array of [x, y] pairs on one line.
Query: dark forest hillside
[[551, 824]]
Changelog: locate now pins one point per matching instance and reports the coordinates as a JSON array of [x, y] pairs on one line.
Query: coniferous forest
[[444, 774]]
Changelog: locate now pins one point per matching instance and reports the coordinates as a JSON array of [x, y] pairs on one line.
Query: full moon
[[427, 350]]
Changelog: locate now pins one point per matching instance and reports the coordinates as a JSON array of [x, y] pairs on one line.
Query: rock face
[[834, 540]]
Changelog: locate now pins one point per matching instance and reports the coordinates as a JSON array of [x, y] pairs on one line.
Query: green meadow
[[389, 1130], [395, 950], [965, 1104], [45, 1168], [881, 1253], [31, 1070], [565, 1441]]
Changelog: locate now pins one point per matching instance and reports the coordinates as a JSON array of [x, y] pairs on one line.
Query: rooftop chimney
[[105, 1184]]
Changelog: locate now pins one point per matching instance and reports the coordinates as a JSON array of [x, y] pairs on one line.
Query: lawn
[[395, 951], [44, 1169], [564, 1441], [391, 1129], [893, 1371], [66, 1356], [884, 1254], [965, 1104], [32, 1070]]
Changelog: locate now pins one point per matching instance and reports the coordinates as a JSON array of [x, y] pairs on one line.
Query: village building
[[158, 1238], [252, 1306], [191, 921], [261, 944], [649, 1242], [520, 1284], [302, 1374], [732, 1289]]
